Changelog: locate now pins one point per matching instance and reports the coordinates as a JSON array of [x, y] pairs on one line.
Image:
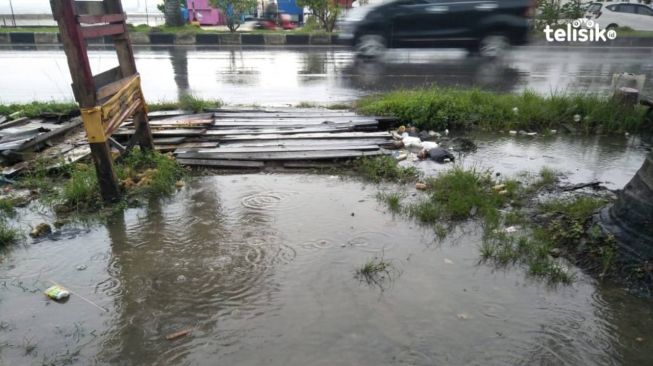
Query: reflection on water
[[273, 76], [261, 269]]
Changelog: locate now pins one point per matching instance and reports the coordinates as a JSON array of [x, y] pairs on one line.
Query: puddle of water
[[261, 268]]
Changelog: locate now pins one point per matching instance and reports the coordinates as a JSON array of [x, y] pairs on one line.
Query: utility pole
[[13, 16]]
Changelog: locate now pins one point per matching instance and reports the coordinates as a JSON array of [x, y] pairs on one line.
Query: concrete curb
[[260, 39]]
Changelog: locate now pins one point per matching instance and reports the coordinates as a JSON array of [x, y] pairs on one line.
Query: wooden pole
[[127, 64]]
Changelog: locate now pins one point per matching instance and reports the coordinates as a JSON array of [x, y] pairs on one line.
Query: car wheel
[[612, 26], [371, 46], [494, 45]]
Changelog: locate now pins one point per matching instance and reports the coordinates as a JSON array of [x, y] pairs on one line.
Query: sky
[[43, 6]]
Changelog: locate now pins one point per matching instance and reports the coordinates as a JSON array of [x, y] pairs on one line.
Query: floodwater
[[282, 76], [261, 268]]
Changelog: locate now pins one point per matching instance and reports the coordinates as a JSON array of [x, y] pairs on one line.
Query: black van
[[486, 27]]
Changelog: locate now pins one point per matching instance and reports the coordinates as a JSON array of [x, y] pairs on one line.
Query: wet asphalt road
[[282, 76]]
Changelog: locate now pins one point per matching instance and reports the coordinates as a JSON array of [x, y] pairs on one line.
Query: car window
[[644, 10], [612, 7], [595, 8], [627, 8]]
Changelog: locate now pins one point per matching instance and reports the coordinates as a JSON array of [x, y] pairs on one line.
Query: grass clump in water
[[376, 270], [150, 172], [459, 194], [393, 200], [384, 168], [439, 108]]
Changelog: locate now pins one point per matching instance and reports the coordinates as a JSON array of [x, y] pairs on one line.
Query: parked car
[[635, 16], [487, 27]]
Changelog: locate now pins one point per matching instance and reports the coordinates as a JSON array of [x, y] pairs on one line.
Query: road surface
[[287, 76]]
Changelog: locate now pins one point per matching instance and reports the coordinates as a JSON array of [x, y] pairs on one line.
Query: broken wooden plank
[[240, 150], [307, 142], [172, 113], [280, 155], [343, 135], [170, 132], [222, 163], [169, 140], [292, 123], [63, 128], [281, 131], [16, 122]]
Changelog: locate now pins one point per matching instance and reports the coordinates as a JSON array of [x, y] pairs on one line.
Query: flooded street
[[282, 76], [260, 267]]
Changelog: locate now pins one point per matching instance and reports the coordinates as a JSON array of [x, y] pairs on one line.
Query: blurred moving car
[[486, 27], [636, 16]]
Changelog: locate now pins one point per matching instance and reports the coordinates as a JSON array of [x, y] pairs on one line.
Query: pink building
[[204, 13]]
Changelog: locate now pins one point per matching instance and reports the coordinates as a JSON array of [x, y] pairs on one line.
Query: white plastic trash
[[412, 142], [428, 145]]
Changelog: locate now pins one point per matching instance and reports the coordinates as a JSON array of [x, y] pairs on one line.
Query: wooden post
[[74, 46], [127, 63]]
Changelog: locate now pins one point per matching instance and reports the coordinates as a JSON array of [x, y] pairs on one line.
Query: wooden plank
[[306, 143], [294, 122], [159, 114], [90, 7], [222, 163], [280, 155], [96, 31], [169, 140], [16, 122], [107, 77], [96, 19], [63, 128], [281, 131], [112, 88], [344, 135], [240, 150], [168, 133]]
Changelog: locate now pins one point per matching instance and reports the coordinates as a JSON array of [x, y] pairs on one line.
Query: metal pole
[[13, 16], [147, 15]]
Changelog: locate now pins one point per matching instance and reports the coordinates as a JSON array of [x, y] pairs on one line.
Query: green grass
[[375, 271], [8, 235], [29, 30], [35, 109], [392, 200], [160, 171], [384, 168], [80, 192], [439, 108], [189, 102], [7, 207]]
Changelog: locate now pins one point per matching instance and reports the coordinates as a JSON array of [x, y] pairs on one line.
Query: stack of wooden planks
[[257, 138]]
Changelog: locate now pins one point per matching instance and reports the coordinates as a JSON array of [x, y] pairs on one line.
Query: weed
[[307, 105], [578, 209], [375, 271], [339, 106], [35, 109], [81, 191], [8, 235], [439, 108], [393, 200], [384, 168], [190, 102], [7, 207]]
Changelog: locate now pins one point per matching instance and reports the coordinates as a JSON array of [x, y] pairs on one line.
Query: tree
[[233, 10], [630, 218], [326, 12], [172, 12]]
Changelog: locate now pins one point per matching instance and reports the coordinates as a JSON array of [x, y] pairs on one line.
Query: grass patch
[[151, 173], [189, 102], [35, 109], [8, 235], [392, 200], [7, 207], [339, 106], [384, 168], [376, 271], [439, 108]]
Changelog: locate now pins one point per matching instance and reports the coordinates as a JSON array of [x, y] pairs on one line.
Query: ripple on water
[[372, 241], [270, 201]]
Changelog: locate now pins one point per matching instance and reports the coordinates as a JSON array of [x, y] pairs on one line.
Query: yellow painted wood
[[92, 119]]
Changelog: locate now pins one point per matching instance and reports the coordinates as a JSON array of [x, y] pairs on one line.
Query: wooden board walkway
[[257, 138]]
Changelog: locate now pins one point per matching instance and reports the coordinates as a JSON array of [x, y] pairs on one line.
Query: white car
[[636, 16]]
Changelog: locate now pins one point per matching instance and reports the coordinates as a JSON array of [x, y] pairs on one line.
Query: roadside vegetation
[[75, 188], [186, 102], [463, 109], [8, 235], [384, 168], [520, 226]]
